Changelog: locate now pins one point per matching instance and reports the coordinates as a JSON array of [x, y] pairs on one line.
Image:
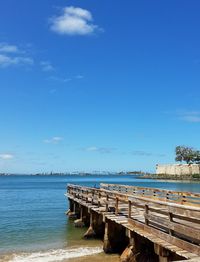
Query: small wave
[[55, 255]]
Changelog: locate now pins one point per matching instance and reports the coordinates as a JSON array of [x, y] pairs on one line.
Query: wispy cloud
[[73, 21], [109, 150], [6, 156], [79, 76], [189, 116], [46, 66], [11, 55], [59, 79], [103, 150], [141, 153], [6, 61], [7, 48], [145, 153], [65, 79], [53, 140]]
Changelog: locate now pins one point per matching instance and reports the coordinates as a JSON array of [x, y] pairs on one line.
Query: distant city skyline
[[97, 85]]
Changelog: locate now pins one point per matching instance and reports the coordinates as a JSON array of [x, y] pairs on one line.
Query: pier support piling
[[106, 243], [79, 222], [90, 233], [115, 239], [71, 212], [131, 251], [162, 253]]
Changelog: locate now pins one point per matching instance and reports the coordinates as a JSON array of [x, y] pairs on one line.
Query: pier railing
[[175, 223], [184, 198]]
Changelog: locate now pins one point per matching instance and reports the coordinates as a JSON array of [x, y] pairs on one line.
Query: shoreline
[[171, 177], [73, 253]]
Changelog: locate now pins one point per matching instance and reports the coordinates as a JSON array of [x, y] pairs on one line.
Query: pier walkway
[[138, 219]]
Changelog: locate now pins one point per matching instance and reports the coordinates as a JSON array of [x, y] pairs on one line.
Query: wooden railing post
[[86, 198], [154, 193], [167, 196], [170, 216], [146, 209], [129, 209], [92, 201], [116, 206], [81, 194], [99, 197], [183, 200], [107, 199]]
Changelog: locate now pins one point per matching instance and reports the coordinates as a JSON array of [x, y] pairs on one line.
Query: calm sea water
[[32, 213]]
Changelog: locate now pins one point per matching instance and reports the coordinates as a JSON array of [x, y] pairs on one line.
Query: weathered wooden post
[[129, 209], [162, 253], [183, 199], [167, 196], [99, 199], [170, 216], [86, 198], [90, 232], [146, 208], [71, 212], [116, 206], [106, 244], [79, 222], [107, 199], [92, 200], [131, 250]]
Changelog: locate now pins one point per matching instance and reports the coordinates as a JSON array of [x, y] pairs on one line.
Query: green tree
[[187, 154], [179, 153], [197, 157]]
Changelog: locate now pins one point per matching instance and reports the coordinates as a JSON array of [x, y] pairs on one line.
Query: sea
[[33, 224]]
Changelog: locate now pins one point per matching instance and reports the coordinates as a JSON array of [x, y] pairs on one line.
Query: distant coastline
[[194, 177], [96, 173], [135, 174]]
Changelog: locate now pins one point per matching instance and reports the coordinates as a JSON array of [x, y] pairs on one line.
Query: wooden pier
[[141, 224]]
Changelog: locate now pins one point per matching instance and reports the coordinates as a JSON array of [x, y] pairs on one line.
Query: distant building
[[178, 169]]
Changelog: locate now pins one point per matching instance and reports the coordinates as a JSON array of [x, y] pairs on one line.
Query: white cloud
[[60, 79], [73, 21], [53, 140], [46, 66], [6, 156], [79, 76], [92, 148], [65, 79], [145, 153], [104, 150], [6, 60], [6, 48], [141, 153], [11, 55], [190, 116], [194, 119]]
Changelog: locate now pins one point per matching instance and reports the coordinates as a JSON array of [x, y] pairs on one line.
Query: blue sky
[[97, 85]]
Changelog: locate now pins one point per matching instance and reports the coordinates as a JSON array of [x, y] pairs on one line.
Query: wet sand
[[102, 257]]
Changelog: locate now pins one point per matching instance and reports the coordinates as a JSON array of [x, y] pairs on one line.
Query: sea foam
[[55, 255]]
